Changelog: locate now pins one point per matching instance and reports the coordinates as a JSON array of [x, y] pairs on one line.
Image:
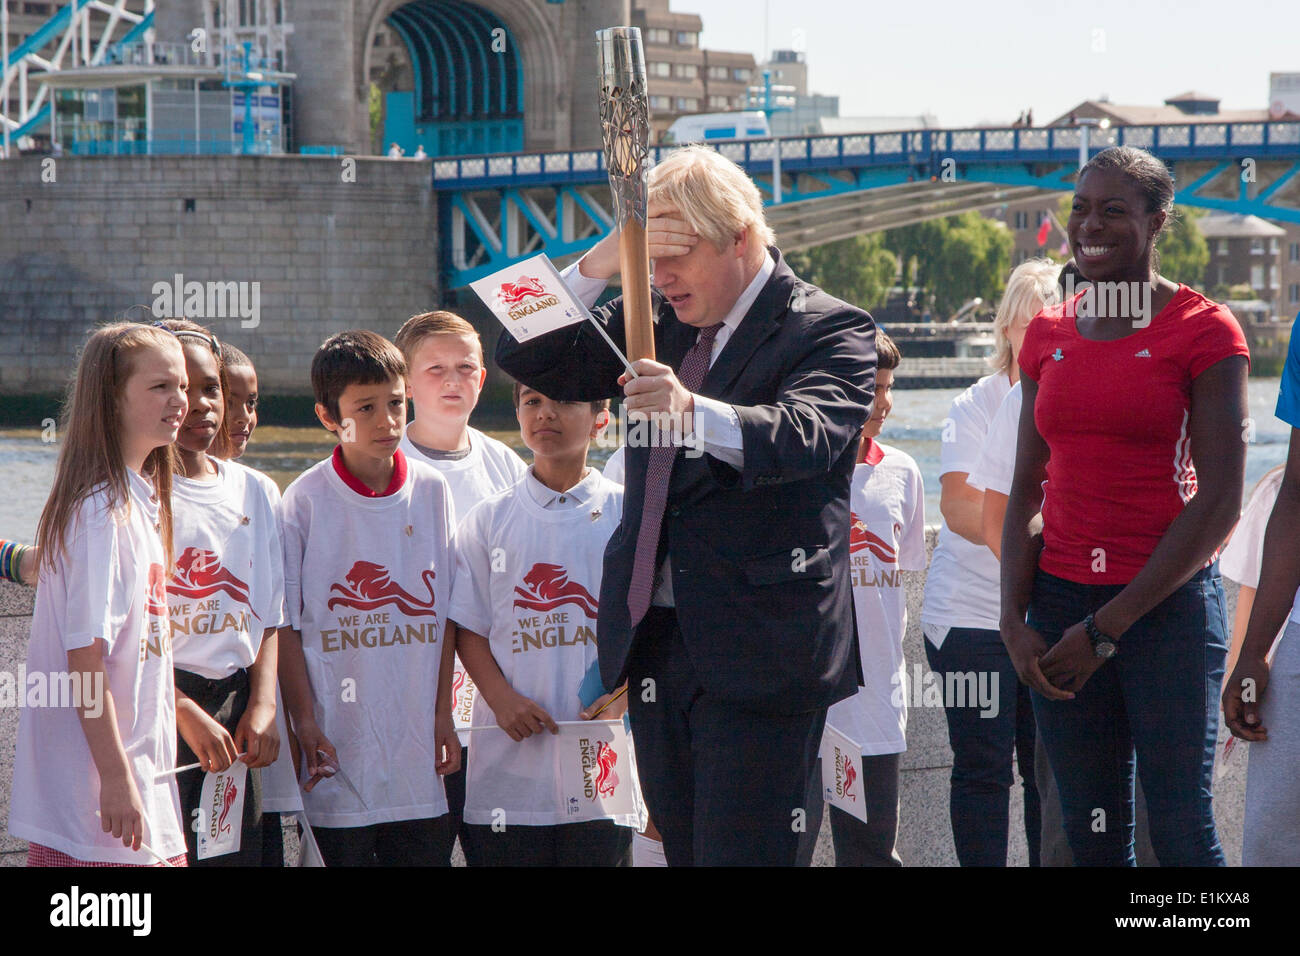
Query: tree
[[956, 259], [917, 245], [1184, 253], [859, 270]]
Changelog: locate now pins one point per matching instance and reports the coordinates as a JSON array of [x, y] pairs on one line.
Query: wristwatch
[[1102, 645]]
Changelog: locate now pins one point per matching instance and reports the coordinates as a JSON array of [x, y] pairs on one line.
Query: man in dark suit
[[725, 599]]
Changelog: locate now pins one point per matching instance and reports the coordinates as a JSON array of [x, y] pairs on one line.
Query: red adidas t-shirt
[[1115, 416]]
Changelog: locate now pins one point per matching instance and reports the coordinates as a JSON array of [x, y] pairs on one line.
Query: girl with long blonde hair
[[100, 720]]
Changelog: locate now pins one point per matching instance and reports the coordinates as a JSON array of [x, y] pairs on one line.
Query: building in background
[[788, 70], [681, 77], [1244, 251]]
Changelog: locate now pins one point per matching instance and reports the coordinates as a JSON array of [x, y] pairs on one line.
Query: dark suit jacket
[[760, 557]]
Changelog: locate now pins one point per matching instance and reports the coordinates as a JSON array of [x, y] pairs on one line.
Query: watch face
[[1105, 649]]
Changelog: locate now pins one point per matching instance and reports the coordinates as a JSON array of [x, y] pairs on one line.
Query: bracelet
[[11, 560]]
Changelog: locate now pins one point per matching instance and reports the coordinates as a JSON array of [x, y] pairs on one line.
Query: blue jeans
[[1158, 696], [983, 744]]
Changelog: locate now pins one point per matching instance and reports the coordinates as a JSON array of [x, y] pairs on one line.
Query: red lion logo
[[199, 574], [549, 587], [860, 537], [606, 778], [512, 293], [156, 596], [850, 775], [370, 586], [227, 801]]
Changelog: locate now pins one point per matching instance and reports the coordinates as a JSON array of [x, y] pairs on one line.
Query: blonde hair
[[1031, 288], [91, 451], [714, 195], [420, 327]]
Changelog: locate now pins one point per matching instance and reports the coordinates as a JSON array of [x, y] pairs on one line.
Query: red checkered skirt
[[39, 855]]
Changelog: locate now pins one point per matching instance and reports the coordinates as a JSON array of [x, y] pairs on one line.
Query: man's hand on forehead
[[667, 233]]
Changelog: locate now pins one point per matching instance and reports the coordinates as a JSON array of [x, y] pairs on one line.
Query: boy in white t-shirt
[[887, 537], [525, 602], [366, 664], [444, 357]]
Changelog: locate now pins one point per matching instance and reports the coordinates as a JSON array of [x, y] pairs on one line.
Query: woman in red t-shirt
[[1134, 398]]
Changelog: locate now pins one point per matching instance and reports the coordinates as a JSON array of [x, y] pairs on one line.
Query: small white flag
[[308, 849], [463, 692], [529, 298], [221, 811], [598, 773], [842, 773]]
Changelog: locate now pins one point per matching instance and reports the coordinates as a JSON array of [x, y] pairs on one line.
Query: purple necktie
[[658, 471]]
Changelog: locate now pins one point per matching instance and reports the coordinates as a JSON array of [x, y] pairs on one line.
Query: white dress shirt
[[716, 423], [552, 500]]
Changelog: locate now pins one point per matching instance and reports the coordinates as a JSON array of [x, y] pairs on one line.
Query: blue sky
[[968, 61]]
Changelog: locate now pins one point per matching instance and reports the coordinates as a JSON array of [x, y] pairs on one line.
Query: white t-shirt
[[110, 584], [228, 586], [528, 579], [961, 587], [367, 582], [997, 462], [887, 537], [1243, 555], [490, 466]]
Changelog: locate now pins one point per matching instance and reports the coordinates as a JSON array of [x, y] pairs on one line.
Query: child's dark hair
[[355, 357], [232, 357], [888, 354], [193, 335], [598, 406]]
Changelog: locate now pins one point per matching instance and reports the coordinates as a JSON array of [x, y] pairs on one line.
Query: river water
[[27, 462]]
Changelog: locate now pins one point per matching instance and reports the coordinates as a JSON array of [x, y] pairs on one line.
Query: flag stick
[[164, 774], [608, 702], [147, 848]]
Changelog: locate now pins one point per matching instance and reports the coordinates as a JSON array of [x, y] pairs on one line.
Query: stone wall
[[326, 254]]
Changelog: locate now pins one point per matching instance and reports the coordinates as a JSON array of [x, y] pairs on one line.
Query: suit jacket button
[[674, 512]]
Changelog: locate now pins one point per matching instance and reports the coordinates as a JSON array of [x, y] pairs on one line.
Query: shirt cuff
[[586, 289], [718, 426]]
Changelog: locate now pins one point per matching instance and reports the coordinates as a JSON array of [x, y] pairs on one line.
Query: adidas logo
[[1145, 353]]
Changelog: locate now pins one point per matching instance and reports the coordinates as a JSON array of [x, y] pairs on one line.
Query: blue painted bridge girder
[[475, 244]]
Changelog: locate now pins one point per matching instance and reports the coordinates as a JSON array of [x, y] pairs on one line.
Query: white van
[[707, 127]]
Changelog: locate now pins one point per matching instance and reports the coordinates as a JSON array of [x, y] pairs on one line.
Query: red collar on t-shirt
[[360, 487], [872, 455]]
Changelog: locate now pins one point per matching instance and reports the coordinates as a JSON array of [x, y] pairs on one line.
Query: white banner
[[529, 298], [221, 810], [598, 773], [842, 773]]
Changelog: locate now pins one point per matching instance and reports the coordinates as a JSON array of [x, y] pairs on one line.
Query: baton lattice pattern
[[625, 127]]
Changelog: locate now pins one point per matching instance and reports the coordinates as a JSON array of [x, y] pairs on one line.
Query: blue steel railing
[[930, 147]]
